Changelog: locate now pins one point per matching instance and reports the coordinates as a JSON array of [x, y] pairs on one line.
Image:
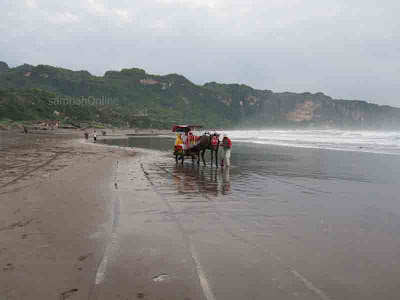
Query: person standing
[[227, 149], [95, 136], [185, 140], [191, 139]]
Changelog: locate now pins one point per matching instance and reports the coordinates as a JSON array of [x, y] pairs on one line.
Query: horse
[[211, 142]]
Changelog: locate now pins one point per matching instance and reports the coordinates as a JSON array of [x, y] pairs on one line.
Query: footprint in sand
[[83, 257], [8, 267], [67, 294]]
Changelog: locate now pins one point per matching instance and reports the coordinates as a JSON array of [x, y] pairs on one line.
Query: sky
[[347, 49]]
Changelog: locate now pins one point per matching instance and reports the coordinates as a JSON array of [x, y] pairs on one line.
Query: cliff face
[[266, 107], [323, 110], [304, 112], [173, 99]]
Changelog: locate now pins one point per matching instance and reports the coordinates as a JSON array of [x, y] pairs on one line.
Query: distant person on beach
[[95, 136], [86, 135], [25, 130], [227, 149]]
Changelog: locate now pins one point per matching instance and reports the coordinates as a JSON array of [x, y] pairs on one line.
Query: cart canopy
[[185, 128]]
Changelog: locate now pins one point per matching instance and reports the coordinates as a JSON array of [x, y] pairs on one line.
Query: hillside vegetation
[[134, 98]]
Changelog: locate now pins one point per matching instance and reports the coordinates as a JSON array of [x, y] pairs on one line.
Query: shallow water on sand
[[331, 217]]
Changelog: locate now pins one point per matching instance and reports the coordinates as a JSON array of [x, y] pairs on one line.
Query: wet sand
[[84, 221], [284, 223]]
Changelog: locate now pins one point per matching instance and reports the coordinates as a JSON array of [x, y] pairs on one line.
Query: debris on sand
[[67, 294], [160, 277], [83, 257], [8, 267], [21, 223]]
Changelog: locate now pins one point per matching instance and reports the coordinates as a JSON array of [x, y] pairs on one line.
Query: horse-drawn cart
[[187, 144]]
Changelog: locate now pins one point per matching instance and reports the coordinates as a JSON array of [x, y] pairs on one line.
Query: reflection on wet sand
[[226, 183], [313, 224], [207, 181]]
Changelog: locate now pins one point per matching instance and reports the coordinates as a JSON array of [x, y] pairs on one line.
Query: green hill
[[136, 98]]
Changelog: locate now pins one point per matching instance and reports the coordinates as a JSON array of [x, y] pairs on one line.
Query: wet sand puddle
[[218, 231], [277, 230]]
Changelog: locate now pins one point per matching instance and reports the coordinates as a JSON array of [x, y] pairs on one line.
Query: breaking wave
[[361, 141]]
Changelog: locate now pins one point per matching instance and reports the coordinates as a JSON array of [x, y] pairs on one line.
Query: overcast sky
[[346, 49]]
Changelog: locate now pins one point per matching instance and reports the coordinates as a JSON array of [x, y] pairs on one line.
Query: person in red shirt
[[227, 149], [191, 139]]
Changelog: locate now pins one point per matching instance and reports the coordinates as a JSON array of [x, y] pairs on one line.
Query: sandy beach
[[80, 220], [62, 200], [55, 196]]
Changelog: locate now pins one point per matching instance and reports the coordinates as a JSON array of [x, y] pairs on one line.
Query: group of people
[[188, 139], [94, 135], [185, 140]]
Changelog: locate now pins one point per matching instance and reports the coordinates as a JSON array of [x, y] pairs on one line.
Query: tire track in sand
[[187, 240], [12, 181], [308, 284]]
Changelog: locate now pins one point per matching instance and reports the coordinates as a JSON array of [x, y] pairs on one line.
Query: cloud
[[64, 17], [97, 7], [346, 49], [123, 14], [195, 3], [31, 3]]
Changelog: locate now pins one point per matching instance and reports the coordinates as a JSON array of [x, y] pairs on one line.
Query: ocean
[[359, 141]]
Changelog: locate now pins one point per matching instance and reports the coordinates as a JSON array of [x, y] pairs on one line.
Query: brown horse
[[208, 141]]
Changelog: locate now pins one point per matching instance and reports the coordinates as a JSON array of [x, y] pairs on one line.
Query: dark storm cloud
[[346, 49]]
